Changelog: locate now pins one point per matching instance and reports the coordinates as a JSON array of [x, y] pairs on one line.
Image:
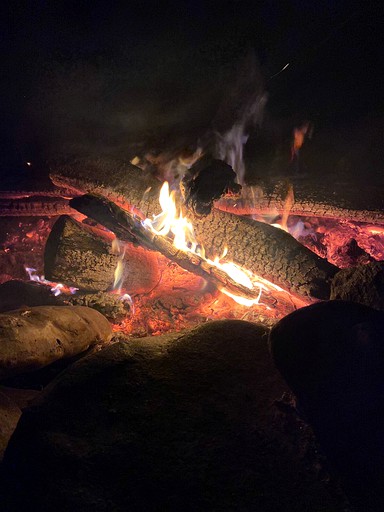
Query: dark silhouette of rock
[[363, 284], [332, 356]]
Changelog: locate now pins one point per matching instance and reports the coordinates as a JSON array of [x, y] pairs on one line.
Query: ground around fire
[[199, 420]]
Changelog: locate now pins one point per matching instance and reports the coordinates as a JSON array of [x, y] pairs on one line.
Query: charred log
[[363, 284], [111, 305], [123, 182], [78, 256], [266, 251], [209, 179], [22, 194], [260, 248], [34, 206], [340, 201]]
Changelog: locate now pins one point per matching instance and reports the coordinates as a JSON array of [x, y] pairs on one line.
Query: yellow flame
[[171, 222], [118, 249]]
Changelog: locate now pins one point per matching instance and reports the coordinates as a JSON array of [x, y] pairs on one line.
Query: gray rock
[[32, 338], [14, 294]]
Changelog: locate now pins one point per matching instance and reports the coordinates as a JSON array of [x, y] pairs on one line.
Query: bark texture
[[114, 179], [267, 251], [79, 257], [119, 181], [337, 201], [262, 249], [34, 206]]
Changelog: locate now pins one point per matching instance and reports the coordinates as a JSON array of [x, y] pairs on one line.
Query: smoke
[[230, 145], [243, 106]]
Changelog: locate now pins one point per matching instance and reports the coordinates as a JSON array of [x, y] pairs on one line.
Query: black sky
[[159, 53]]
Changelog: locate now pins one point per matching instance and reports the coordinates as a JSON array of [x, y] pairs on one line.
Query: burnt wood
[[329, 199], [77, 255], [34, 206], [344, 201]]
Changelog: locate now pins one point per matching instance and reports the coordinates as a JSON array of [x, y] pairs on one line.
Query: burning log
[[342, 202], [79, 256], [35, 337], [258, 247], [123, 182]]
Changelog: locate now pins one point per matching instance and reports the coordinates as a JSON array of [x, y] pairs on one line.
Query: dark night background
[[102, 78]]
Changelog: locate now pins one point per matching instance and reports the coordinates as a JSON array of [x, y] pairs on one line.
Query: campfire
[[157, 257]]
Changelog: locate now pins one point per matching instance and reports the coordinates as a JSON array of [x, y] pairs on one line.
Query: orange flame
[[171, 222]]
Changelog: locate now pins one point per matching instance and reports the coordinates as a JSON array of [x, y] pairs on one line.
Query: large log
[[262, 249], [121, 182], [312, 199], [124, 182], [78, 256]]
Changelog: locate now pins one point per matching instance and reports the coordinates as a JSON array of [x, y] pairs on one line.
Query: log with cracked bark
[[337, 200], [83, 257]]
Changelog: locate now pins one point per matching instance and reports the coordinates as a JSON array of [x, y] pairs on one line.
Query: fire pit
[[213, 187], [176, 272]]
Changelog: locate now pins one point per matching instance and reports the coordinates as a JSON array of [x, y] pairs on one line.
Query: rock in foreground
[[32, 338], [169, 423], [332, 356]]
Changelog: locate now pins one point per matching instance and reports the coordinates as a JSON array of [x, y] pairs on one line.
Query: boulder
[[331, 354], [363, 284], [175, 422], [34, 337]]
